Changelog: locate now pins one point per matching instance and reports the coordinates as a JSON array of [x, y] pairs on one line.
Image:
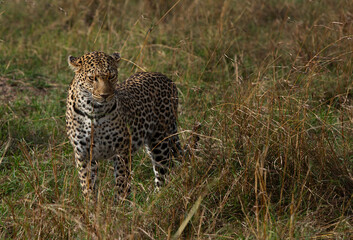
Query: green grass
[[270, 81]]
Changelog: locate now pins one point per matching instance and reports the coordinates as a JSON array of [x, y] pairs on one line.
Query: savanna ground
[[270, 82]]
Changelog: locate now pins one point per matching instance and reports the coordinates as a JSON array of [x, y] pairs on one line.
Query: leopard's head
[[96, 73]]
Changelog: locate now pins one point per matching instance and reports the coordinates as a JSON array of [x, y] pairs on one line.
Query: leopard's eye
[[111, 77], [92, 78]]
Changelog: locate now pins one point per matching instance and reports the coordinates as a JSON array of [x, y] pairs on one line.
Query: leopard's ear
[[74, 63], [116, 57]]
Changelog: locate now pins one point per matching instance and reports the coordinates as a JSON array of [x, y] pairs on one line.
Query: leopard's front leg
[[88, 171], [122, 174]]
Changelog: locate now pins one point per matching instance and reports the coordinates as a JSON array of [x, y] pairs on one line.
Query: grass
[[270, 81]]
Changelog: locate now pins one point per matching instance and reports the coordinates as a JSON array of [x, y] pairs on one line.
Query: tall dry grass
[[270, 81]]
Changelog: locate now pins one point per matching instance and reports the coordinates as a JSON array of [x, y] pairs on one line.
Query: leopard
[[111, 120]]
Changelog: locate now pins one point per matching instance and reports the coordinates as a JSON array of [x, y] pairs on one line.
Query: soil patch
[[11, 89]]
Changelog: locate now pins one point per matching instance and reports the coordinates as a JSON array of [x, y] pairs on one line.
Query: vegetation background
[[270, 81]]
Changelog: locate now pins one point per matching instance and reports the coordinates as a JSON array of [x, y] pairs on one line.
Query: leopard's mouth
[[102, 98], [97, 97]]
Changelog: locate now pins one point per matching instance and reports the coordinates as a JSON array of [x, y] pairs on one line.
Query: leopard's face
[[96, 74]]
